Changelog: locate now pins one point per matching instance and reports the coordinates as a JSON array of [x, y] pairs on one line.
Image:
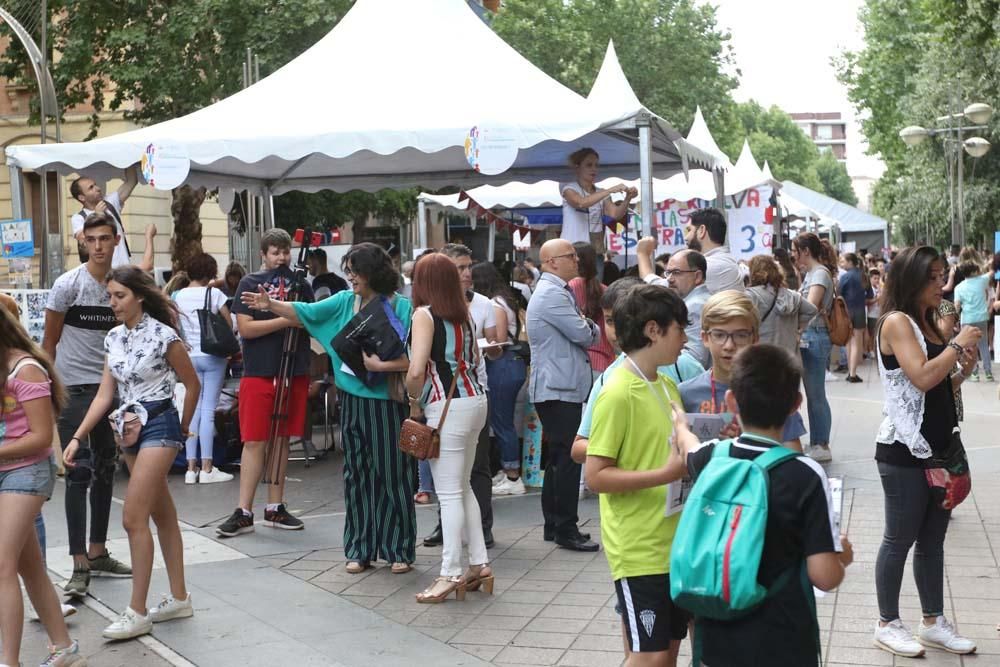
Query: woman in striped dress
[[444, 354], [379, 480]]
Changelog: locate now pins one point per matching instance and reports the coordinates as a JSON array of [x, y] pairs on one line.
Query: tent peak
[[700, 136], [611, 87]]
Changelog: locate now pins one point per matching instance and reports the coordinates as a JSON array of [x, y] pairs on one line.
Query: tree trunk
[[185, 242]]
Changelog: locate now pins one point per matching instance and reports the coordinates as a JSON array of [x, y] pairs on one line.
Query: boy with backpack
[[758, 530], [630, 463]]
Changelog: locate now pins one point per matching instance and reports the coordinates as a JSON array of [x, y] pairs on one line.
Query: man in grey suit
[[560, 381]]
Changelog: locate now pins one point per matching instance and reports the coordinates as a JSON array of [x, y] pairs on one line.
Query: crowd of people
[[622, 371]]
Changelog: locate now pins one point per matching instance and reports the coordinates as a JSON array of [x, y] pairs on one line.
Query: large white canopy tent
[[353, 112], [829, 212]]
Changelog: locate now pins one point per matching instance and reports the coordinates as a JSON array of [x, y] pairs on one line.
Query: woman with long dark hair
[[587, 289], [31, 398], [852, 289], [814, 261], [379, 480], [144, 359], [505, 377], [443, 360], [920, 426]]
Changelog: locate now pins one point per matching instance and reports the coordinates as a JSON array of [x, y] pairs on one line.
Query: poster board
[[16, 238], [750, 224]]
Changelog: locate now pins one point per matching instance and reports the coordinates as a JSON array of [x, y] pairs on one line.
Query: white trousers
[[459, 508]]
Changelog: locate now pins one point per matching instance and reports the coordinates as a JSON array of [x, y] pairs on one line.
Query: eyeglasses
[[349, 273], [572, 255], [677, 272], [739, 337]]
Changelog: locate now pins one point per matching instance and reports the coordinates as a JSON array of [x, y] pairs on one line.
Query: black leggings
[[911, 515]]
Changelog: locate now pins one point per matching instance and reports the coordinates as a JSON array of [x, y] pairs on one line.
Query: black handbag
[[217, 337]]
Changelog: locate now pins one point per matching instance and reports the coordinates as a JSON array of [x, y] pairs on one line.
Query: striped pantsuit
[[379, 481]]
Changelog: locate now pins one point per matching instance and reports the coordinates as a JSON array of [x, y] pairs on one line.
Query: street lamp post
[[952, 129]]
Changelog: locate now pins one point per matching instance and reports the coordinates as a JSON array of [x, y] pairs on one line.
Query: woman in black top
[[919, 422]]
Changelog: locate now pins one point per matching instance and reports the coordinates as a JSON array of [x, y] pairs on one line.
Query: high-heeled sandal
[[482, 579], [455, 584]]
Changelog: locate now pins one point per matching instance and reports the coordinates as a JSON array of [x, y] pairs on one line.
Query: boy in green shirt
[[630, 462]]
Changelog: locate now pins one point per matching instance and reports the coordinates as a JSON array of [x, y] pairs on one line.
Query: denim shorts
[[163, 430], [37, 479]]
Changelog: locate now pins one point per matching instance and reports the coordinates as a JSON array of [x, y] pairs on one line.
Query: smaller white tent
[[798, 200]]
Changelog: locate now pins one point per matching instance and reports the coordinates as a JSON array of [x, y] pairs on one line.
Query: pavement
[[283, 598]]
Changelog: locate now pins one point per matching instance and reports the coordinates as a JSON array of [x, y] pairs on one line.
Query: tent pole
[[491, 249], [268, 205], [422, 223], [719, 178], [645, 174]]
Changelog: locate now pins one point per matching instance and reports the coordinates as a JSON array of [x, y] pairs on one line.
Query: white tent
[[804, 202], [354, 112]]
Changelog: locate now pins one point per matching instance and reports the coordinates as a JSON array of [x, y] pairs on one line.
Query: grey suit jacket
[[559, 336]]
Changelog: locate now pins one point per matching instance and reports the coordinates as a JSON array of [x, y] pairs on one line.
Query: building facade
[[827, 129]]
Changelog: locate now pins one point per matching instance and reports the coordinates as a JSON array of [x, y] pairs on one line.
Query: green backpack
[[718, 544]]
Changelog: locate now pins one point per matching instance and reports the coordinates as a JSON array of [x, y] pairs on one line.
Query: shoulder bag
[[420, 440], [217, 337]]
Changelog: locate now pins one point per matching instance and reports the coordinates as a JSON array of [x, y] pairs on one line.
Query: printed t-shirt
[[633, 426], [328, 284], [800, 523], [88, 318], [578, 224], [972, 293], [262, 355], [189, 301], [324, 320], [13, 419]]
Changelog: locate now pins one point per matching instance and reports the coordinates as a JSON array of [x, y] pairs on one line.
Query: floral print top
[[137, 359]]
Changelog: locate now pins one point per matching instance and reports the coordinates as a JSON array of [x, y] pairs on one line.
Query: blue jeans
[[984, 348], [506, 376], [211, 373], [814, 364]]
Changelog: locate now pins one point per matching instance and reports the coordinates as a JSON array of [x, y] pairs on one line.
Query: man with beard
[[706, 233]]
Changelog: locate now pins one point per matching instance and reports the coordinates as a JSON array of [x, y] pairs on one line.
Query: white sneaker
[[214, 476], [65, 657], [942, 635], [171, 608], [128, 625], [897, 638], [67, 609], [819, 453], [830, 377], [191, 477], [499, 477], [509, 487]]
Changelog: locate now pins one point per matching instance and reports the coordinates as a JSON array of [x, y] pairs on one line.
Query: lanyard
[[664, 402], [715, 409]]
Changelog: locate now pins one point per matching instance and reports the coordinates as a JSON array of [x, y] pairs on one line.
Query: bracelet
[[72, 439], [955, 346], [413, 399]]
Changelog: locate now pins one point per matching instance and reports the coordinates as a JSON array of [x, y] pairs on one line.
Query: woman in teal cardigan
[[379, 480]]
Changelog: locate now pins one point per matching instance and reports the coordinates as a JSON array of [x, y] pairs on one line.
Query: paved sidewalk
[[277, 597]]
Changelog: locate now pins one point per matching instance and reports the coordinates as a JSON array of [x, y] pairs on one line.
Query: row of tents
[[363, 109]]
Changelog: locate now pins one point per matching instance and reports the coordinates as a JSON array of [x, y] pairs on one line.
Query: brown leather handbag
[[420, 440]]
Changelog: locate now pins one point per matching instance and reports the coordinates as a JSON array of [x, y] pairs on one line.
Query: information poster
[[16, 239], [750, 224]]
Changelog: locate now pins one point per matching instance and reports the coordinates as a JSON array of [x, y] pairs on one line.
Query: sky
[[783, 50]]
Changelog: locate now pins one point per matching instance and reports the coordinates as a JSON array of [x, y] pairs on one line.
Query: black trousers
[[561, 485]]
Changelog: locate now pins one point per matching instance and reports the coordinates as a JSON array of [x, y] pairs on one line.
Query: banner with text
[[750, 219]]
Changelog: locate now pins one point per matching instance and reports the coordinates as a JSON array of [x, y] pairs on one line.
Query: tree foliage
[[832, 174], [923, 59], [775, 137], [672, 51]]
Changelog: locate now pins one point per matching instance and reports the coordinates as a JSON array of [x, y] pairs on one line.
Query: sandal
[[356, 566], [483, 577], [401, 568], [422, 498], [452, 584]]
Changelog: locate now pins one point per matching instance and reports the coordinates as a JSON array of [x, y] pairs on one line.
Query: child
[[627, 463], [800, 523], [729, 323]]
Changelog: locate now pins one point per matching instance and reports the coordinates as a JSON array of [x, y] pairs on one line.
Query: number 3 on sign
[[751, 232]]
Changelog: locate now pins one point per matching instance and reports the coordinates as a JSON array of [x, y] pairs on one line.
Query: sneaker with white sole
[[509, 487], [107, 566], [191, 477], [819, 453], [171, 608], [280, 518], [65, 657], [896, 638], [499, 477], [942, 635], [67, 609], [130, 624], [214, 476]]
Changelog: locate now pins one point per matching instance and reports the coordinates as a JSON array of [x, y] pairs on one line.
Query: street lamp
[[951, 129]]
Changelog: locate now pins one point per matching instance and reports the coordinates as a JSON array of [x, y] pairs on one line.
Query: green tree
[[775, 137], [832, 174], [673, 52], [294, 210]]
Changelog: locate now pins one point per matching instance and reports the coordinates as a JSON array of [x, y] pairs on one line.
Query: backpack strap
[[721, 448], [775, 456]]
